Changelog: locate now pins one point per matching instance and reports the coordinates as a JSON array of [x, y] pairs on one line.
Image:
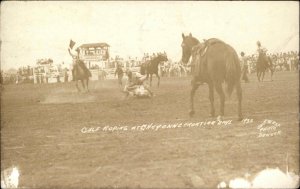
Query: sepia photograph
[[142, 94]]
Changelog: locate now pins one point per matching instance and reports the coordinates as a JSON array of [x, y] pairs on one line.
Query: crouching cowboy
[[135, 80]]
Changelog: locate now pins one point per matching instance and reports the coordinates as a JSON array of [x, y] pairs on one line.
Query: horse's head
[[187, 44], [162, 57]]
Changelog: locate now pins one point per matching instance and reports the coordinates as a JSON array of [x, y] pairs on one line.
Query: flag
[[72, 43]]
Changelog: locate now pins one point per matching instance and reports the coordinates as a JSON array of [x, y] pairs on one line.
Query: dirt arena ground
[[43, 134]]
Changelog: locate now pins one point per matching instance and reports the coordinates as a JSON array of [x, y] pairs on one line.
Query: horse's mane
[[197, 48], [194, 40], [157, 57]]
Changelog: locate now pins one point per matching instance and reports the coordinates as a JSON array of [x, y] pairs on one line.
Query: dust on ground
[[42, 136]]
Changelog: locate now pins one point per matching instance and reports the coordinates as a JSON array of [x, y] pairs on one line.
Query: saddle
[[210, 42], [199, 58]]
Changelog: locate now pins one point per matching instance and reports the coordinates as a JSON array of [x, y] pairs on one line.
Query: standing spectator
[[42, 78], [104, 74], [66, 76], [120, 73], [244, 67], [289, 63]]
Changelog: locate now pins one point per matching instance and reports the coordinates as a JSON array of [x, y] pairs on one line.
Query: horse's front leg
[[158, 79], [219, 89], [211, 99], [239, 96], [272, 71], [150, 80], [147, 77], [192, 94], [87, 85]]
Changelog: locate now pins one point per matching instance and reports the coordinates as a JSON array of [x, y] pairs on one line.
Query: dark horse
[[150, 67], [81, 73], [215, 62], [263, 63]]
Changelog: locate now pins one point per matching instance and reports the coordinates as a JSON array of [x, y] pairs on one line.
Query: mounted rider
[[260, 49], [262, 52], [74, 53]]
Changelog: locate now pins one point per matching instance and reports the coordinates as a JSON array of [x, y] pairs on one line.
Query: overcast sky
[[32, 30]]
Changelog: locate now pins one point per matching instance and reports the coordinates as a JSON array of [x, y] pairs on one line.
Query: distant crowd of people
[[284, 61]]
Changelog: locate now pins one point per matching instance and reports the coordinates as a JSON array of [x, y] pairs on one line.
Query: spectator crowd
[[284, 61]]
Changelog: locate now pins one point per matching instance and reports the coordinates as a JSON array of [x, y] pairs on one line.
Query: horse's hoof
[[240, 118], [191, 113], [212, 115]]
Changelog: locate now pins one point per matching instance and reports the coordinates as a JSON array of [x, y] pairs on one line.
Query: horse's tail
[[233, 70]]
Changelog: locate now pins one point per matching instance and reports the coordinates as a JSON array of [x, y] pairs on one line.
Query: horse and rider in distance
[[79, 70], [263, 63]]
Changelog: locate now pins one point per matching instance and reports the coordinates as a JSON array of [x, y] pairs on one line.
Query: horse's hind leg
[[83, 85], [78, 89], [192, 94], [219, 89], [87, 85], [258, 76], [211, 99], [239, 96], [272, 71], [150, 80], [263, 75]]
